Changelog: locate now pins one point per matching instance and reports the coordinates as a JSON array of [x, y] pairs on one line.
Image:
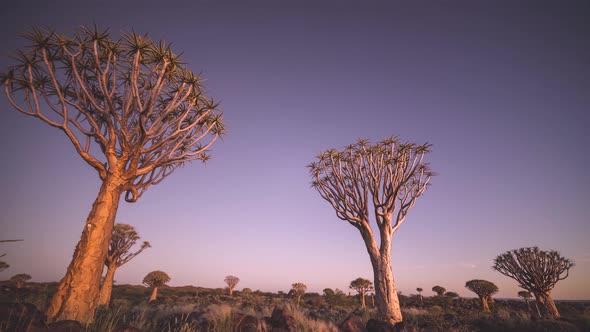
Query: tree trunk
[[104, 297], [363, 300], [546, 305], [386, 299], [484, 303], [19, 284], [76, 296], [231, 291], [421, 300], [154, 295]]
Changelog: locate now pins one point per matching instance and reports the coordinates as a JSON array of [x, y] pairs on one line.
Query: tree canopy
[[156, 279]]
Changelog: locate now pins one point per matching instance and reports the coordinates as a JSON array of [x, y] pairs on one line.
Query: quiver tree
[[155, 279], [20, 279], [419, 290], [328, 292], [537, 271], [387, 178], [298, 289], [525, 295], [362, 287], [132, 110], [232, 282], [123, 239], [484, 290], [440, 291]]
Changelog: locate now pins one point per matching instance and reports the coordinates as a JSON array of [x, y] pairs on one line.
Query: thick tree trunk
[[104, 297], [484, 303], [363, 300], [76, 296], [546, 305], [386, 299], [154, 295], [231, 291]]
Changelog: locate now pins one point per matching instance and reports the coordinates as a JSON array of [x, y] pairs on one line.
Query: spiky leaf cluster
[[231, 281], [156, 279], [388, 176], [534, 269], [298, 288], [128, 103], [361, 286], [482, 288], [124, 237]]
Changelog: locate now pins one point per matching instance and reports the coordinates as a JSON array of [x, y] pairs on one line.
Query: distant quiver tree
[[155, 279], [536, 271], [419, 290], [362, 287], [386, 178], [20, 279], [298, 290], [123, 239], [439, 290], [132, 110], [484, 290], [232, 282]]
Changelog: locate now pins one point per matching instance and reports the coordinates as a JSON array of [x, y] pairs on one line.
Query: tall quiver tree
[[362, 287], [232, 282], [536, 271], [387, 177], [123, 239], [155, 279], [133, 111], [484, 290]]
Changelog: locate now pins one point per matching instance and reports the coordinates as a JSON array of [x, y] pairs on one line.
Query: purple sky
[[501, 88]]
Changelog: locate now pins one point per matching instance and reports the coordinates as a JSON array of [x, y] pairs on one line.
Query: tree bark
[[547, 307], [106, 290], [154, 295], [76, 296], [386, 299], [363, 300], [484, 303]]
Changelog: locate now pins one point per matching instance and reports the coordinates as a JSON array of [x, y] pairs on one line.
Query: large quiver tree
[[123, 239], [387, 177], [484, 290], [536, 271], [133, 111]]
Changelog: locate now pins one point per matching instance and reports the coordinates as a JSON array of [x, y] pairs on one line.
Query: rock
[[353, 323], [22, 317], [282, 321], [246, 323], [65, 326]]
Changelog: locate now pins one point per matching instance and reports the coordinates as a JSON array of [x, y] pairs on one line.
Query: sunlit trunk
[[154, 295], [547, 307], [231, 291], [107, 286], [76, 296], [484, 303], [386, 299], [363, 300]]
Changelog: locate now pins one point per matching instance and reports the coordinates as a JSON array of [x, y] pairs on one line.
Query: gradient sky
[[500, 88]]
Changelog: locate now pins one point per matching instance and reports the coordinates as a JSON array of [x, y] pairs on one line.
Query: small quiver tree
[[484, 290], [537, 271], [298, 289], [232, 282], [155, 279], [440, 291], [362, 287], [383, 180], [123, 239], [132, 110], [419, 290], [525, 295], [20, 279]]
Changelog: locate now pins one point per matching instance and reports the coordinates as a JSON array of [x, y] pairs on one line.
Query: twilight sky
[[500, 88]]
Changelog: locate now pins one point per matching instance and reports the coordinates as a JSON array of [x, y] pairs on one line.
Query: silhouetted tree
[[246, 290], [329, 292], [155, 279], [231, 282], [133, 111], [419, 290], [362, 287], [20, 279], [386, 178], [536, 271], [298, 290], [439, 290], [452, 295], [123, 239], [484, 290]]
